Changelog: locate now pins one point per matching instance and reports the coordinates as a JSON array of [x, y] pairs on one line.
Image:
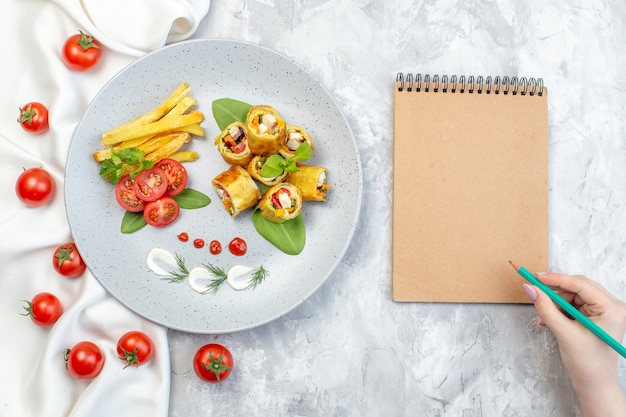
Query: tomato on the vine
[[135, 348], [213, 363], [33, 117], [162, 212], [67, 261], [176, 175], [44, 309], [35, 187], [84, 361], [81, 52]]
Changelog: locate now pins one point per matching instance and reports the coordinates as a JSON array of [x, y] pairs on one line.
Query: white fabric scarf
[[33, 378]]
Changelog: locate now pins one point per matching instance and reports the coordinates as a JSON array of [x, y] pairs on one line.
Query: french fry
[[181, 107], [159, 126], [178, 95], [159, 133], [168, 148], [184, 156]]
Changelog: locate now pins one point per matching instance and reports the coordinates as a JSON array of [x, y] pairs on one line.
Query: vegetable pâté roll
[[266, 130], [232, 143], [311, 180], [281, 202], [236, 189], [254, 169]]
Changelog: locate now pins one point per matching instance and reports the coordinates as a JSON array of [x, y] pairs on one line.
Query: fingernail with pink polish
[[531, 292]]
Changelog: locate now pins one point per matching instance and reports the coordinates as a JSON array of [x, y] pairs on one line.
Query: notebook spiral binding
[[473, 85]]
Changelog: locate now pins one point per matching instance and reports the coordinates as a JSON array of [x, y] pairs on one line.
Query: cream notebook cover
[[470, 187]]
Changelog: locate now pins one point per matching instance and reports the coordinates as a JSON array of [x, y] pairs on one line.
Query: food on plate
[[311, 180], [44, 309], [67, 261], [254, 169], [237, 246], [266, 130], [84, 361], [161, 212], [159, 133], [281, 202], [295, 136], [215, 247], [232, 143], [213, 363], [33, 117], [150, 184], [81, 52], [35, 187], [135, 348], [236, 189]]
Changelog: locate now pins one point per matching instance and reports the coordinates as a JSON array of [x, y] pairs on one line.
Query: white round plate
[[213, 69]]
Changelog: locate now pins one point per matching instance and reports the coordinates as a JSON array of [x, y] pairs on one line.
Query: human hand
[[590, 363]]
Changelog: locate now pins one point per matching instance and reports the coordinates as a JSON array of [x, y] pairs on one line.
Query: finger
[[576, 289], [549, 314]]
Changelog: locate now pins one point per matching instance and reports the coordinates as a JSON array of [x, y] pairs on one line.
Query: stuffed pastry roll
[[254, 169], [281, 202], [312, 182], [295, 136], [232, 143], [266, 130], [236, 189]]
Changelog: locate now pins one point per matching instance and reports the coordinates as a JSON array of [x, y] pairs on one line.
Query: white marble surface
[[349, 350]]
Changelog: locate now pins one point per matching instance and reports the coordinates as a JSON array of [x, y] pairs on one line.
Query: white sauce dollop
[[158, 259]]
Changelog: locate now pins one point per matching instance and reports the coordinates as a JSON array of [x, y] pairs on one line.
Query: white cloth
[[33, 378]]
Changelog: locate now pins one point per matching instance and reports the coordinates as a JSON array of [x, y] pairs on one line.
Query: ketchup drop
[[238, 246]]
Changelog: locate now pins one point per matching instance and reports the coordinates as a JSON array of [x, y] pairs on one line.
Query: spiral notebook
[[470, 187]]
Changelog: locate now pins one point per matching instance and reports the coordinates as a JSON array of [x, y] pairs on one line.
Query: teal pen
[[571, 310]]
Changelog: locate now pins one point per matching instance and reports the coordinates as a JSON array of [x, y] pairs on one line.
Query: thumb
[[548, 312]]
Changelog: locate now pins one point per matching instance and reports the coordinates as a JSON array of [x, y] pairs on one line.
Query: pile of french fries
[[159, 133]]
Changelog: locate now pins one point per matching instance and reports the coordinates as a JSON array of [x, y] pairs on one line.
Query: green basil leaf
[[303, 152], [191, 199], [131, 222], [289, 236], [228, 110]]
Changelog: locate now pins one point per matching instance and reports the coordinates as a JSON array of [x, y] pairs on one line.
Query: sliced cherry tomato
[[176, 175], [33, 117], [44, 309], [135, 348], [84, 361], [238, 246], [35, 187], [215, 247], [81, 52], [150, 184], [213, 363], [161, 212], [126, 196], [67, 261]]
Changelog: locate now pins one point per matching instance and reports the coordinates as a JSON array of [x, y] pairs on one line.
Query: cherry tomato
[[126, 197], [150, 184], [161, 212], [183, 237], [44, 309], [238, 246], [67, 261], [213, 363], [135, 348], [81, 52], [198, 243], [35, 187], [215, 247], [84, 361], [33, 117], [176, 175]]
